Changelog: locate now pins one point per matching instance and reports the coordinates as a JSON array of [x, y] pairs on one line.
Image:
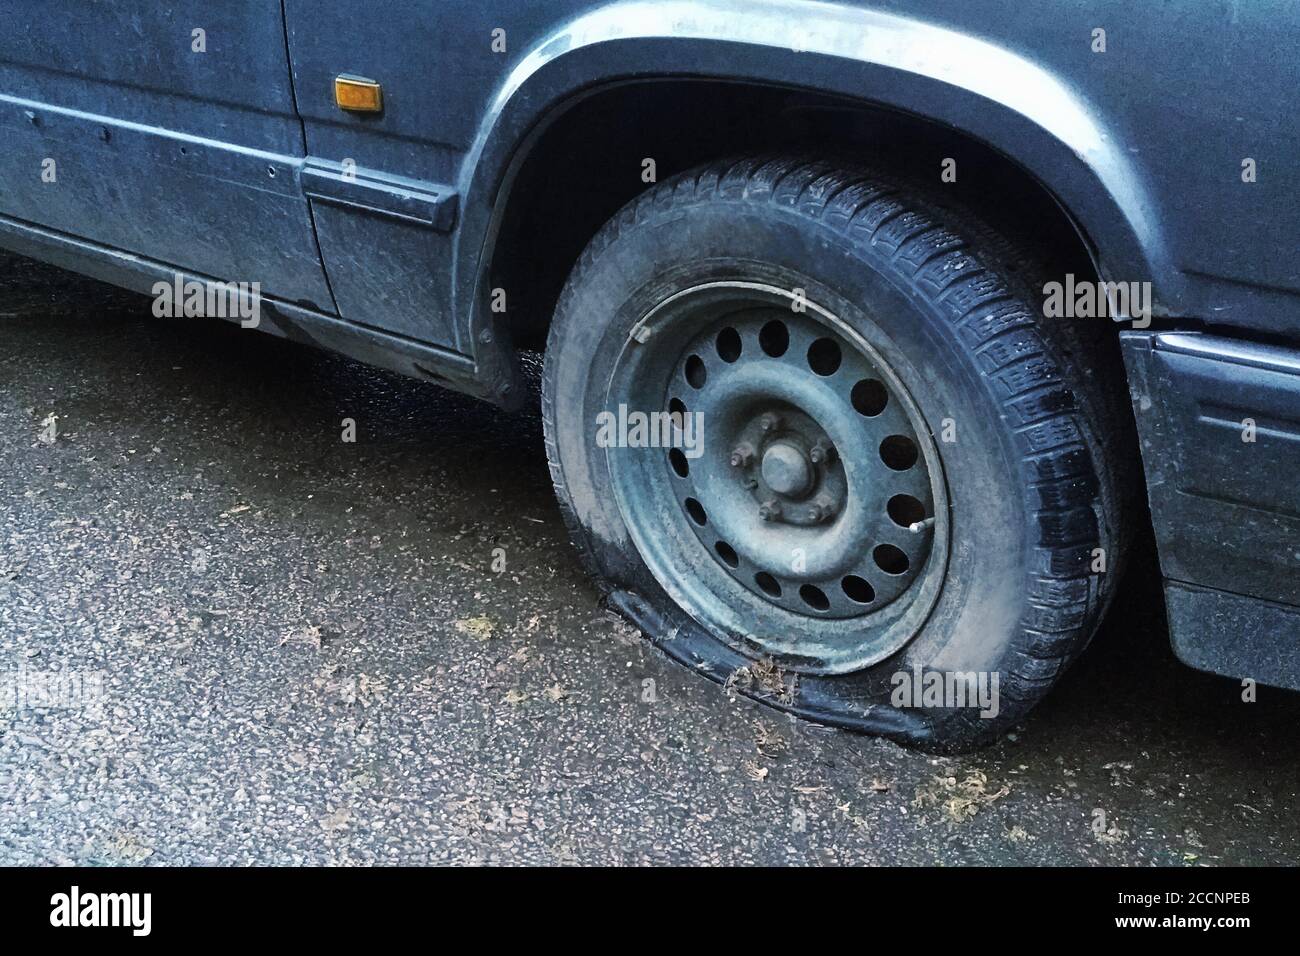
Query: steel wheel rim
[[812, 526]]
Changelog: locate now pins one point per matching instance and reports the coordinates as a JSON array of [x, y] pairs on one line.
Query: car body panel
[[1219, 425], [183, 157], [1120, 138], [388, 270], [1143, 145]]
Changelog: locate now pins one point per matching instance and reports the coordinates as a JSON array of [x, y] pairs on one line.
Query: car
[[873, 333]]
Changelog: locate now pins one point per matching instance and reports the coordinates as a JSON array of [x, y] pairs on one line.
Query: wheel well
[[588, 163]]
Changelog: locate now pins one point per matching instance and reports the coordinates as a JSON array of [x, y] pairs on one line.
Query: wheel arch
[[888, 65]]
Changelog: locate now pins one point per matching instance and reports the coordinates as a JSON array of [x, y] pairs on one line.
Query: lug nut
[[769, 422], [819, 511], [770, 510], [822, 452], [742, 455]]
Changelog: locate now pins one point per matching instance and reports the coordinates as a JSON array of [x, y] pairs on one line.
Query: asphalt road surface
[[241, 639]]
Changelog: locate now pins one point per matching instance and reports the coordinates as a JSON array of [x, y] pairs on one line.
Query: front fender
[[987, 91]]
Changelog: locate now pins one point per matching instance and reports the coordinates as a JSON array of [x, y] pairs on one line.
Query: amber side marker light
[[356, 94]]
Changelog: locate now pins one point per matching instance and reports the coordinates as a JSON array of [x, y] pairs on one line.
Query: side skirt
[[287, 320]]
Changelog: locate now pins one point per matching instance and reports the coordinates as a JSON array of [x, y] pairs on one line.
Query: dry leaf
[[480, 628]]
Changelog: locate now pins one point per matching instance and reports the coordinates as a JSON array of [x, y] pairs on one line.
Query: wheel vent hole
[[696, 373], [890, 559], [824, 357], [858, 590], [696, 511], [815, 597], [898, 452], [677, 459], [904, 510], [728, 554], [677, 407], [869, 397], [774, 338], [728, 345], [768, 584]]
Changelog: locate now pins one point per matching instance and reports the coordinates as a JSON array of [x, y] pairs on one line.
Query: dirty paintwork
[[169, 153]]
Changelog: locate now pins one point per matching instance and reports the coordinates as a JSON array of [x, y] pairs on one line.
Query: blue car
[[874, 331]]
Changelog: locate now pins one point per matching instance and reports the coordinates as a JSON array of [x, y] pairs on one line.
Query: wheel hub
[[787, 470], [787, 465], [811, 504]]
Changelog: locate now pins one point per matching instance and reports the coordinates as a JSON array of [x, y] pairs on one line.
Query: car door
[[166, 130]]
